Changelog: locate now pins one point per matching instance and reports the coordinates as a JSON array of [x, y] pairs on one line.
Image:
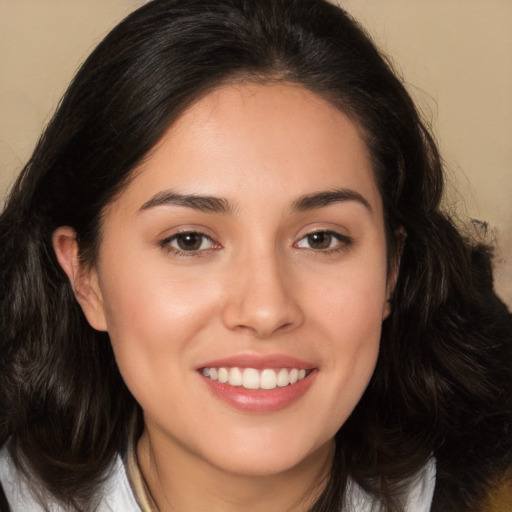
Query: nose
[[262, 297]]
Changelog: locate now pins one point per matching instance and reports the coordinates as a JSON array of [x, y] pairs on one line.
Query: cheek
[[142, 297], [353, 324], [348, 314], [153, 318], [352, 300]]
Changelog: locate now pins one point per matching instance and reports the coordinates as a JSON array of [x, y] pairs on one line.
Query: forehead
[[275, 138]]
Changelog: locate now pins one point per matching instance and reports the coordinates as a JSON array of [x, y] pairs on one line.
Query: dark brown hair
[[442, 386]]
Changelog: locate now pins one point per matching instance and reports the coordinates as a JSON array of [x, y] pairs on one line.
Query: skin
[[257, 285]]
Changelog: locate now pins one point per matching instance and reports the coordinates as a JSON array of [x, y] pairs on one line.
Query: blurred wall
[[42, 43], [456, 57]]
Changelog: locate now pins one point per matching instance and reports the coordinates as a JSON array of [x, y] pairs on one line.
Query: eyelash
[[343, 242], [176, 251]]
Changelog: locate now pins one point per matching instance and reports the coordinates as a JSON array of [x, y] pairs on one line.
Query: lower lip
[[260, 400]]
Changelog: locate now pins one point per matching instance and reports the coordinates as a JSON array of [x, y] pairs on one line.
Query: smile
[[251, 378]]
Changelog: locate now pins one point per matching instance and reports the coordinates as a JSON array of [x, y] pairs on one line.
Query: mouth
[[256, 378], [256, 383]]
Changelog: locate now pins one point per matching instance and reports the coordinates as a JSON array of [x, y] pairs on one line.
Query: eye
[[324, 241], [188, 242]]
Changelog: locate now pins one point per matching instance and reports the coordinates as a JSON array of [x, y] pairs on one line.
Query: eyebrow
[[325, 198], [212, 204], [196, 202]]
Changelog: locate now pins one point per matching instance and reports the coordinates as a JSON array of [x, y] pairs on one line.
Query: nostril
[[262, 299], [263, 321]]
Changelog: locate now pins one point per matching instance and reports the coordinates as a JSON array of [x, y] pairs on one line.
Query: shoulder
[[417, 496], [15, 485], [116, 495]]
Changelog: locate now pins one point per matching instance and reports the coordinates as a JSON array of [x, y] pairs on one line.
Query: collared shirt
[[137, 483], [125, 490]]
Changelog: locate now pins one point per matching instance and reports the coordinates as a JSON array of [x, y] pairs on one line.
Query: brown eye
[[320, 240], [327, 241], [189, 241]]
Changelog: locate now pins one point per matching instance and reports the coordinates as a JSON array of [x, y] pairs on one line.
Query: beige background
[[456, 56]]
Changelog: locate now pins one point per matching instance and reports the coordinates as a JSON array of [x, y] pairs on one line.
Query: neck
[[181, 481]]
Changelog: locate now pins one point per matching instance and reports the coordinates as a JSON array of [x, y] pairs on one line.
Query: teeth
[[235, 377], [268, 379], [283, 378], [250, 378], [223, 375]]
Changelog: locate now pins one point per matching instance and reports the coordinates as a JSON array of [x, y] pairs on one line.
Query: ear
[[394, 268], [84, 282]]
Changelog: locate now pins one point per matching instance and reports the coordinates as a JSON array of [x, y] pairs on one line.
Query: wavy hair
[[442, 385]]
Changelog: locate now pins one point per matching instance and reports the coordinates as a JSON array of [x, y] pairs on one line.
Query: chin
[[257, 461]]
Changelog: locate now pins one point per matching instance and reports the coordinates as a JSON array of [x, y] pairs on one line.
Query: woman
[[227, 282]]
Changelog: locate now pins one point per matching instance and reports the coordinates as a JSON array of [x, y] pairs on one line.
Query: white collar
[[127, 493]]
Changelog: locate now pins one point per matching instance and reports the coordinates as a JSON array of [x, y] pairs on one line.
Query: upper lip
[[258, 362]]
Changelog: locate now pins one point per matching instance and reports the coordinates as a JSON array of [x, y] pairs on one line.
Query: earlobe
[[390, 288], [394, 268], [83, 281]]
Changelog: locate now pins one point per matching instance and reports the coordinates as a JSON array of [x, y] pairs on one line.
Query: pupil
[[189, 241], [319, 240]]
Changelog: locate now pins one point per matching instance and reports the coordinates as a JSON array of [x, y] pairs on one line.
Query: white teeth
[[268, 379], [235, 377], [250, 378], [283, 378], [223, 375]]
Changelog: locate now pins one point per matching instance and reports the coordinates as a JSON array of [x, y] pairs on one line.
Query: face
[[242, 277]]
